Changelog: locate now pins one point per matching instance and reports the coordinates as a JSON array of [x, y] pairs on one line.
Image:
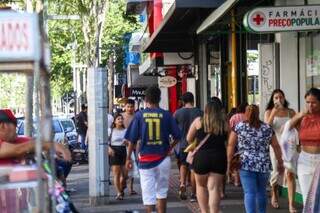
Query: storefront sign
[[167, 81], [137, 92], [19, 37], [277, 19]]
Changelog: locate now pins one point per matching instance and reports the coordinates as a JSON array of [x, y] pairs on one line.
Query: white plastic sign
[[19, 37], [167, 81], [278, 19]]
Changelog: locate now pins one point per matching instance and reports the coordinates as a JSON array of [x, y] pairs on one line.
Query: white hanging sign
[[167, 81], [19, 37]]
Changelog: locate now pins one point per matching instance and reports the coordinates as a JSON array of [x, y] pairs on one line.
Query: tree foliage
[[12, 89], [62, 33], [116, 26]]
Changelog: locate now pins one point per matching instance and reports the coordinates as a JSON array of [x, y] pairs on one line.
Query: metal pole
[[46, 128], [40, 190], [110, 85], [75, 79], [234, 61], [47, 111], [28, 122]]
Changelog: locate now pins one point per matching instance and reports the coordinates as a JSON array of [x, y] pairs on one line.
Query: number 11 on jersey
[[153, 125]]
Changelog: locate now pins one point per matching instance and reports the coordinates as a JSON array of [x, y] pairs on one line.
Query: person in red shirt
[[13, 147]]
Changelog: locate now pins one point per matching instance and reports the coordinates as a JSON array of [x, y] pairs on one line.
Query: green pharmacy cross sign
[[281, 19]]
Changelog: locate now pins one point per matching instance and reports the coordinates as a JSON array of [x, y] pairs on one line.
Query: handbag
[[235, 163], [191, 146], [191, 154]]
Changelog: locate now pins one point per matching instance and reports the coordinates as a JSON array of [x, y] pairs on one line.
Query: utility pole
[[29, 91], [75, 76], [111, 81]]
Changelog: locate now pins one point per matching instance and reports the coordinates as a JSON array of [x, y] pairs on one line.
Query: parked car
[[69, 129], [63, 129]]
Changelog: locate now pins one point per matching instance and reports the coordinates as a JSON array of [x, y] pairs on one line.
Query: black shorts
[[206, 161], [120, 155]]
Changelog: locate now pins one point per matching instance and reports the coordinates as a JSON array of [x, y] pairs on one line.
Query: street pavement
[[79, 180]]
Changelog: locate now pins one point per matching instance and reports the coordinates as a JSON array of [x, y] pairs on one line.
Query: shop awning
[[216, 15], [177, 31]]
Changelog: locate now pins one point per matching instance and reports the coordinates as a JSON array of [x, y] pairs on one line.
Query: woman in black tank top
[[210, 162]]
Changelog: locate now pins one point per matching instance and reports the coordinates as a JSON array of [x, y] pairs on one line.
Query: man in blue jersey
[[153, 126]]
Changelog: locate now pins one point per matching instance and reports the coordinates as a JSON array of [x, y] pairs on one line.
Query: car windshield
[[67, 125], [55, 127]]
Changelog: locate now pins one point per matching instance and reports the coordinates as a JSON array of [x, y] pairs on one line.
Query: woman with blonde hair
[[253, 138], [210, 161]]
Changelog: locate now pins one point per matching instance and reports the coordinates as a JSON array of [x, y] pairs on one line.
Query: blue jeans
[[82, 140], [255, 190]]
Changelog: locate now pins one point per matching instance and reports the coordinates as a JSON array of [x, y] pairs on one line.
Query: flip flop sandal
[[133, 193], [293, 210], [119, 197], [275, 204]]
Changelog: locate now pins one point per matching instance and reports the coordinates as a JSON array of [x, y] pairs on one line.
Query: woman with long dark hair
[[308, 124], [118, 153], [276, 115], [210, 162], [253, 138]]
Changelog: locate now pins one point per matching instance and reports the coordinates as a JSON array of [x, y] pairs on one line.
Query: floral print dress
[[253, 144]]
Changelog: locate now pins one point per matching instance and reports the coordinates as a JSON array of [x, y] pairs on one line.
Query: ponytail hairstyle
[[252, 116]]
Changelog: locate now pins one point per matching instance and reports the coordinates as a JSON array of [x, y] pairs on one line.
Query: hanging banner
[[19, 37], [278, 19]]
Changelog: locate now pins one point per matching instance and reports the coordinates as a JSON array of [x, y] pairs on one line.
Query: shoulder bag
[[191, 154]]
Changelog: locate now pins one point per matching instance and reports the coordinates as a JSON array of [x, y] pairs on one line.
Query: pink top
[[235, 119]]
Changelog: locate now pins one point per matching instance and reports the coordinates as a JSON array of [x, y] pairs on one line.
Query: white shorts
[[155, 182]]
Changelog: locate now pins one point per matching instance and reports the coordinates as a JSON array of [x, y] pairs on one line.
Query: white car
[[69, 128], [63, 128]]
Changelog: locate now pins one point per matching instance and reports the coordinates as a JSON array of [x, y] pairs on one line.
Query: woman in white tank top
[[277, 114]]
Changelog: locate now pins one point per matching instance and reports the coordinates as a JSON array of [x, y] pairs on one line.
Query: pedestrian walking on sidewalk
[[238, 117], [210, 161], [254, 138], [128, 114], [82, 126], [308, 123], [118, 153], [276, 115], [184, 117], [153, 126]]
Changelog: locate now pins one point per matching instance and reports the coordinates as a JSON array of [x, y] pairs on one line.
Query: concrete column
[[289, 67], [203, 73], [97, 132]]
